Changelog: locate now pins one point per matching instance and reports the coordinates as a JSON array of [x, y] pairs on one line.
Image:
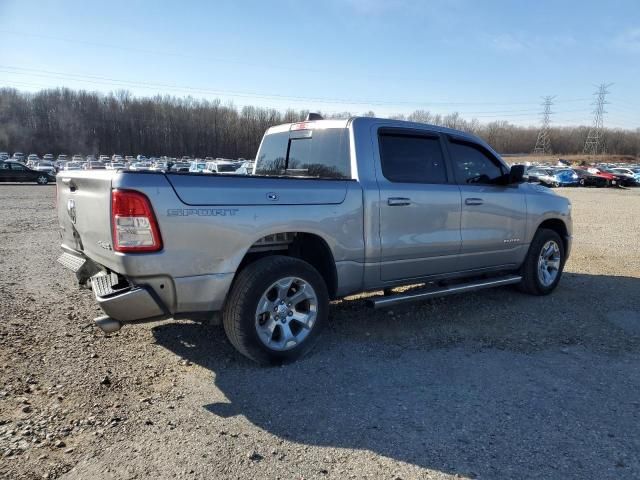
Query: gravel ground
[[494, 384]]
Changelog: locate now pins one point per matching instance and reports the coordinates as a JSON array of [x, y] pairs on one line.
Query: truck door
[[419, 205], [493, 214]]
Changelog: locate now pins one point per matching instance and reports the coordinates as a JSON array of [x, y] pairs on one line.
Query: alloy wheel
[[286, 313], [549, 263]]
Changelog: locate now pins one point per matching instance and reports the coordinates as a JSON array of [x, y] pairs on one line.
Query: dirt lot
[[489, 385]]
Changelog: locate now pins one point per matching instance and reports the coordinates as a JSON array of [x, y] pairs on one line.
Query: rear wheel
[[276, 309], [544, 263], [42, 180]]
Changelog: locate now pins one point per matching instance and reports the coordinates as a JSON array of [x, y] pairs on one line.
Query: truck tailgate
[[84, 206]]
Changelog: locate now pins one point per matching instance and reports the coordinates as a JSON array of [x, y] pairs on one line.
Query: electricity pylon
[[543, 143], [594, 144]]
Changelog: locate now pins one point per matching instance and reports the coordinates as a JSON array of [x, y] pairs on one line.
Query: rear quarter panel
[[214, 237]]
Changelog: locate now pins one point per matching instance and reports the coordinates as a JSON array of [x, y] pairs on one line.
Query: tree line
[[77, 121]]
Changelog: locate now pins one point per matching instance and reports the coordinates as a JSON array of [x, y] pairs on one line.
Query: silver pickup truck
[[333, 208]]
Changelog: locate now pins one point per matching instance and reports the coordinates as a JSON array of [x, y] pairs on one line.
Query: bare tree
[[63, 120]]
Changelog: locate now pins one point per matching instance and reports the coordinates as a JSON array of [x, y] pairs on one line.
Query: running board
[[388, 300]]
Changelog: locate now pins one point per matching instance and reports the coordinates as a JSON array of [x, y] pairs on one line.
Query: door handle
[[473, 201], [398, 201]]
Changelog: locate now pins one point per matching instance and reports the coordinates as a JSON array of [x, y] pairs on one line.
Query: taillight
[[134, 224]]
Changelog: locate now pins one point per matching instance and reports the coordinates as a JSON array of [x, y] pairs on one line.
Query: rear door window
[[317, 153], [412, 158]]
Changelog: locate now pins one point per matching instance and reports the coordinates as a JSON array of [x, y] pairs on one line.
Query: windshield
[[226, 168], [318, 153]]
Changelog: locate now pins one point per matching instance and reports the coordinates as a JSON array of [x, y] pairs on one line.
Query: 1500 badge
[[202, 212]]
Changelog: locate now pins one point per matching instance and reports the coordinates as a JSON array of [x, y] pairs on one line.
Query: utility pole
[[594, 144], [543, 143]]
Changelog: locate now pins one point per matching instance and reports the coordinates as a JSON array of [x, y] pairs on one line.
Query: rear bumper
[[130, 300], [137, 304]]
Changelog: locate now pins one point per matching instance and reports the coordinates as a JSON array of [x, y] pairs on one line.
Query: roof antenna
[[313, 116]]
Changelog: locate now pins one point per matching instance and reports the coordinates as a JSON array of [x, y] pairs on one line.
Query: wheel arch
[[307, 246], [558, 226]]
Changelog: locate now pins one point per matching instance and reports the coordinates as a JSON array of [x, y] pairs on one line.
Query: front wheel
[[42, 180], [276, 309], [542, 268]]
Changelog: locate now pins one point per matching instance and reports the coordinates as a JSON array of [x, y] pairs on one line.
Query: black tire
[[531, 282], [581, 182], [42, 180], [239, 315]]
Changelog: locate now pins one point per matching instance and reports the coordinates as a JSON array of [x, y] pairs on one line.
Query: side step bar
[[388, 300]]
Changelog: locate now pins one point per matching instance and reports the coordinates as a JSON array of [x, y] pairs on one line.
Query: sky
[[486, 59]]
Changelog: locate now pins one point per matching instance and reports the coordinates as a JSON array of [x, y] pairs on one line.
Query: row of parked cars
[[604, 175], [32, 168]]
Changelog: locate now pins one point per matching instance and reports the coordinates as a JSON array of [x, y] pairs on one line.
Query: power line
[[96, 79], [594, 144], [543, 142], [524, 115]]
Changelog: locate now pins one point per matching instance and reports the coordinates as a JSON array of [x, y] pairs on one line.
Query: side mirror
[[516, 174]]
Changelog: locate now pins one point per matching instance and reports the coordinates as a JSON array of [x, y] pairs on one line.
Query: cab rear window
[[319, 153]]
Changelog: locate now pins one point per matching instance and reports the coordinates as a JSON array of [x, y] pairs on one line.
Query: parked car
[[587, 179], [72, 166], [612, 179], [631, 177], [114, 165], [32, 159], [551, 177], [158, 166], [197, 167], [140, 166], [77, 158], [246, 168], [623, 179], [48, 157], [4, 156], [180, 167], [62, 158], [93, 165], [18, 156], [13, 171], [43, 166], [220, 167], [382, 204]]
